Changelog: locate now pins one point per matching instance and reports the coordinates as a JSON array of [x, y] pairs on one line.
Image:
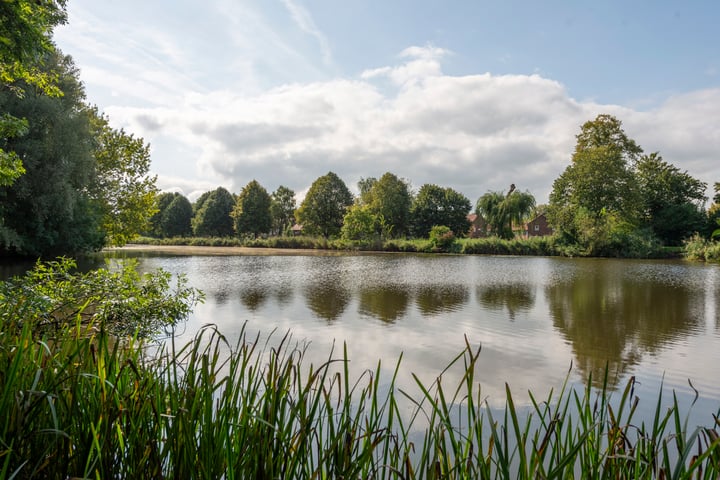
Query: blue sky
[[474, 95]]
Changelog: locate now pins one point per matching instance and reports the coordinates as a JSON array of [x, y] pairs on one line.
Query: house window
[[537, 227]]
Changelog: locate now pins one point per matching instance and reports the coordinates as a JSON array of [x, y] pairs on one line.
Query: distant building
[[539, 227], [297, 229], [478, 226]]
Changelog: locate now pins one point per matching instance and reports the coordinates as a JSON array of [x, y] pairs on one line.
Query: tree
[[325, 206], [672, 200], [599, 180], [162, 201], [52, 209], [502, 211], [176, 218], [213, 218], [251, 214], [389, 198], [365, 186], [282, 209], [435, 205], [124, 187], [25, 38], [361, 224]]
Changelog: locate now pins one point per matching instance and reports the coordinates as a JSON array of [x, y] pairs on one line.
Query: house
[[296, 230], [539, 227], [478, 226]]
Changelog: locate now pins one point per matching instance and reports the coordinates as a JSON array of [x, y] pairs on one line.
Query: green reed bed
[[84, 405]]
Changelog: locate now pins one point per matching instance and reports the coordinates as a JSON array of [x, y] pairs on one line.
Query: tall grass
[[82, 404]]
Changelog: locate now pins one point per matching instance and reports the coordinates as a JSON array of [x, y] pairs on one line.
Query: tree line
[[611, 200], [385, 208], [71, 183]]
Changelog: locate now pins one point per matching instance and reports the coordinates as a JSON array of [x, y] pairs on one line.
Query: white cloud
[[473, 133]]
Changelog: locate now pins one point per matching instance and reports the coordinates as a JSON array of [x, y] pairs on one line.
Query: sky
[[472, 95]]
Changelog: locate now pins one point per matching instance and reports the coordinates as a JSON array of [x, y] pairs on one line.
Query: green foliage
[[11, 166], [125, 191], [176, 217], [101, 408], [672, 200], [51, 297], [324, 207], [282, 209], [435, 205], [501, 212], [212, 214], [699, 248], [251, 214], [162, 201], [606, 132], [389, 199], [442, 238], [361, 224], [52, 209], [545, 246], [25, 36]]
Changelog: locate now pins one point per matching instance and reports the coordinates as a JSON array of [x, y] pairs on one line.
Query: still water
[[537, 320]]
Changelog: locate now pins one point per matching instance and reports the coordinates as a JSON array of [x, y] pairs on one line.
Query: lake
[[537, 320]]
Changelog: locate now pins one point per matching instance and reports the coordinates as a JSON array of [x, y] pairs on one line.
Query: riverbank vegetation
[[611, 201], [80, 400]]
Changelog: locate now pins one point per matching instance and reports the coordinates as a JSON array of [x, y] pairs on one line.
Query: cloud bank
[[473, 133]]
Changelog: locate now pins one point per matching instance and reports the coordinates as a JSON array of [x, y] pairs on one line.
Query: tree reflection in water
[[442, 298], [387, 303], [613, 321], [327, 299], [516, 297]]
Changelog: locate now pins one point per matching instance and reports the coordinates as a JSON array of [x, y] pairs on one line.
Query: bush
[[442, 238]]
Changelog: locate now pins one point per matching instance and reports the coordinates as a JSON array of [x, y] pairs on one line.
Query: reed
[[82, 404]]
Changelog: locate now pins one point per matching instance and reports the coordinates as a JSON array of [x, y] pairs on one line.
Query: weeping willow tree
[[501, 212]]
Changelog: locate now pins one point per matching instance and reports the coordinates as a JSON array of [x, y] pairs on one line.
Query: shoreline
[[234, 250]]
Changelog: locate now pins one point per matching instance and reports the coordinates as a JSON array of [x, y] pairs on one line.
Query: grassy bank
[[538, 246], [77, 401]]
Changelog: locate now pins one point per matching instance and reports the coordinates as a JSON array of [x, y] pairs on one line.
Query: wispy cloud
[[302, 18]]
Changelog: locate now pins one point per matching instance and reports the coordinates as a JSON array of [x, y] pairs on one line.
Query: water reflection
[[614, 316], [253, 297], [387, 304], [515, 297], [327, 300], [442, 298], [640, 318]]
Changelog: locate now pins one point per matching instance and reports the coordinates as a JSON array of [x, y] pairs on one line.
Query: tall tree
[[50, 210], [325, 205], [672, 200], [176, 217], [124, 187], [435, 206], [365, 186], [600, 179], [282, 209], [162, 201], [212, 218], [501, 211], [389, 198], [251, 214]]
